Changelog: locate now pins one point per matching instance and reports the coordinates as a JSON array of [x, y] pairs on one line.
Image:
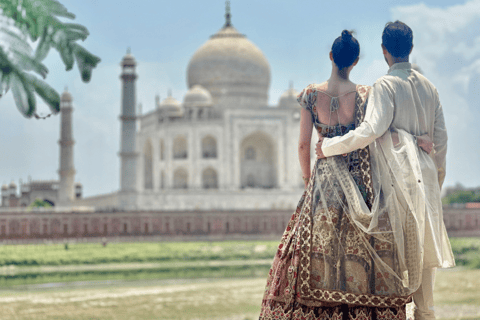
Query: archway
[[209, 179], [180, 179], [180, 148], [148, 165], [258, 161], [209, 147]]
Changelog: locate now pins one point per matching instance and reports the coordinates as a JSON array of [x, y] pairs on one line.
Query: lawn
[[95, 253], [46, 263]]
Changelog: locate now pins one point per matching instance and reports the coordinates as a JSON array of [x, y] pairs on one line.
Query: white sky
[[295, 36]]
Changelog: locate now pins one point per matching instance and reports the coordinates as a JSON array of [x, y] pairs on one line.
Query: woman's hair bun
[[345, 50], [346, 35]]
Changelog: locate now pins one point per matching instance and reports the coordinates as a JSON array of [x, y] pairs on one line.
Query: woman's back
[[333, 107], [335, 103]]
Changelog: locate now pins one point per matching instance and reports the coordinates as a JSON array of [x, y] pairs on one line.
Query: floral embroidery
[[322, 260]]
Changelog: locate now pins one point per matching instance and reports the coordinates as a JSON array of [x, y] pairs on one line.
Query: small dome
[[171, 106], [197, 96], [13, 185], [288, 99], [4, 187]]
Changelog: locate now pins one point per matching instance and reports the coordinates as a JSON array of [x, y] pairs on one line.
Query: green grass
[[93, 253], [196, 260], [137, 274], [466, 251]]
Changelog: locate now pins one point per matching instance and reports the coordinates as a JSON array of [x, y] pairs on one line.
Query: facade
[[222, 144], [219, 147]]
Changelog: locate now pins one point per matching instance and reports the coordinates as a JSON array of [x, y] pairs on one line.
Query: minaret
[[66, 190], [128, 154]]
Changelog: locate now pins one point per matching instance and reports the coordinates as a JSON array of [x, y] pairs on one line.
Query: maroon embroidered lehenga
[[326, 266]]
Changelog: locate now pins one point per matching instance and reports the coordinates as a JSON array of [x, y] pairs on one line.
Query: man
[[405, 100]]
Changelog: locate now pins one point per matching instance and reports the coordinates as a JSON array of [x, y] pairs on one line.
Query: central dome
[[232, 69]]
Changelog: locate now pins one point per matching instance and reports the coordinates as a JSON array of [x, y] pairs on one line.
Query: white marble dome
[[172, 107], [288, 99], [232, 69], [197, 96]]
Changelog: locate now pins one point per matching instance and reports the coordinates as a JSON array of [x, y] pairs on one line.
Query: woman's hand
[[425, 143]]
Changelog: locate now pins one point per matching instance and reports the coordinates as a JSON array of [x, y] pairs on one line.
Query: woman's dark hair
[[345, 50], [397, 38]]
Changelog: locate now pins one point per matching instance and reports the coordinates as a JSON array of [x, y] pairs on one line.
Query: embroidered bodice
[[308, 100]]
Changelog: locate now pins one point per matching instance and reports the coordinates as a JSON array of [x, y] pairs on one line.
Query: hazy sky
[[295, 36]]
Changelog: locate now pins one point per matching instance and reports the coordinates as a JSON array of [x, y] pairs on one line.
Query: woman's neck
[[336, 77]]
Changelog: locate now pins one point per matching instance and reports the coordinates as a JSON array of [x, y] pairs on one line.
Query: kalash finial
[[228, 21]]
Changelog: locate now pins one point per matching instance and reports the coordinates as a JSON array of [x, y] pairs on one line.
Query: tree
[[39, 203], [25, 24], [461, 196]]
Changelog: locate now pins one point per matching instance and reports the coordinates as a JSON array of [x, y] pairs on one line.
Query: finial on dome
[[66, 89], [128, 50], [169, 92], [228, 21], [290, 86]]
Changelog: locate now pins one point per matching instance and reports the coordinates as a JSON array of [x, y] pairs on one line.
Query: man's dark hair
[[345, 50], [397, 38]]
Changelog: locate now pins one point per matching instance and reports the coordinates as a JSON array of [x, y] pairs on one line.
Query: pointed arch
[[258, 161], [148, 165], [210, 179], [180, 150], [180, 178], [209, 147]]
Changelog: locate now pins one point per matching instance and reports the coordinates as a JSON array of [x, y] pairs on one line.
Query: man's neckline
[[400, 65]]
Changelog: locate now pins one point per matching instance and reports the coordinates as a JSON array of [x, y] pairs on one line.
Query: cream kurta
[[404, 100]]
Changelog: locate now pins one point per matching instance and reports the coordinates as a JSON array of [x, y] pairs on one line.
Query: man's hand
[[425, 143], [318, 149]]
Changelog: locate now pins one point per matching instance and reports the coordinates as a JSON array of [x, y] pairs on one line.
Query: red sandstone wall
[[44, 224]]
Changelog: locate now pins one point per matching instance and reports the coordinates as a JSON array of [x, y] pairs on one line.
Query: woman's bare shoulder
[[363, 88]]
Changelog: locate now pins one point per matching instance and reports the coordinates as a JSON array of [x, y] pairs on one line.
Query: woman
[[336, 259]]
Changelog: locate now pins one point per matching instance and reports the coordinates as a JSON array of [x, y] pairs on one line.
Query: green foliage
[[95, 253], [461, 196], [26, 22], [466, 252], [39, 203]]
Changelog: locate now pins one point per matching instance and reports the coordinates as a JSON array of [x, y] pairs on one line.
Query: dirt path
[[219, 299]]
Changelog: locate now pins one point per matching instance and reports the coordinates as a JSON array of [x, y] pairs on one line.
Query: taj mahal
[[220, 146]]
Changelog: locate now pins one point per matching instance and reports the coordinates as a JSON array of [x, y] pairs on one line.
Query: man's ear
[[331, 56], [410, 50], [356, 61], [385, 51]]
